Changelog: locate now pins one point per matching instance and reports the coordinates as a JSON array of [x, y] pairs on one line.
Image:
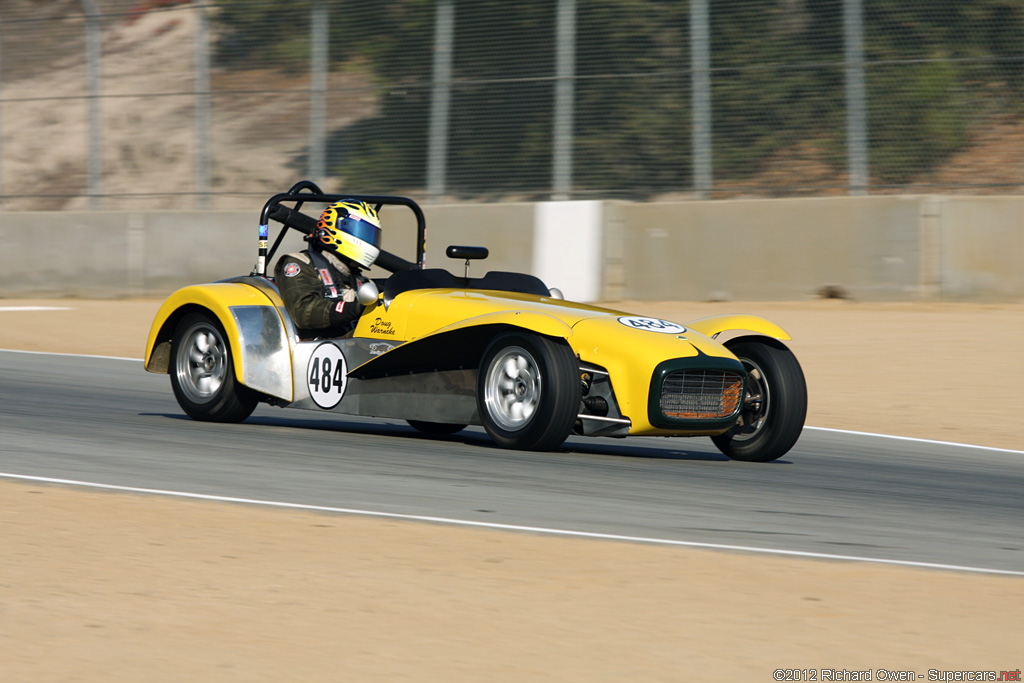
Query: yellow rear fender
[[238, 307], [738, 324]]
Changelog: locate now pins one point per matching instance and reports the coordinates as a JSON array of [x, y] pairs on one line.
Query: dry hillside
[[259, 129]]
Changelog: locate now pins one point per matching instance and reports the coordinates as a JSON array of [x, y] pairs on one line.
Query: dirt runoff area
[[116, 587]]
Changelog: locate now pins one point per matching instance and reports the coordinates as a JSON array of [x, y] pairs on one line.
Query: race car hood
[[419, 313]]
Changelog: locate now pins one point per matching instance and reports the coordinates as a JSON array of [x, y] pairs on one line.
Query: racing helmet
[[350, 229]]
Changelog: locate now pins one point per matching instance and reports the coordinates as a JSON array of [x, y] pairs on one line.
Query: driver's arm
[[303, 297]]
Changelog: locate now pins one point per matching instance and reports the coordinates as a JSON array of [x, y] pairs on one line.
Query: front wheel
[[775, 404], [528, 391], [202, 374]]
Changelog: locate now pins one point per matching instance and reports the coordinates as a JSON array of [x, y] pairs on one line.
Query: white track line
[[911, 438], [515, 527], [19, 309], [74, 355]]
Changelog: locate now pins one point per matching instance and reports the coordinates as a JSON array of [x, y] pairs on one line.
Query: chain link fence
[[157, 104]]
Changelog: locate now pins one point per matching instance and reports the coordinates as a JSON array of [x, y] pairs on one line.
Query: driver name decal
[[651, 324], [326, 375], [381, 326]]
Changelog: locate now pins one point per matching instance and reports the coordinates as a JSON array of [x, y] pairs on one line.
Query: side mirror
[[468, 253], [368, 293], [555, 293]]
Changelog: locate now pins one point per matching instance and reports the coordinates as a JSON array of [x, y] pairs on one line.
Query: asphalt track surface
[[107, 421]]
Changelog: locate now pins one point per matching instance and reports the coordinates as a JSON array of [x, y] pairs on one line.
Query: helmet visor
[[364, 230]]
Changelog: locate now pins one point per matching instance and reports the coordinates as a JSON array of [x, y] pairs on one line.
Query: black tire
[[775, 405], [528, 391], [203, 374], [435, 428]]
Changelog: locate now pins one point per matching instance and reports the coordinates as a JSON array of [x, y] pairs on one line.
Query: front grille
[[701, 394]]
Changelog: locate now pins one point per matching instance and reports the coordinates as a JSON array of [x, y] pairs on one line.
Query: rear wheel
[[774, 407], [435, 428], [203, 375], [528, 391]]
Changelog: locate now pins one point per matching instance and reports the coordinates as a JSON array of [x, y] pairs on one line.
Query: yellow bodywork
[[716, 324], [419, 313], [218, 298], [595, 334]]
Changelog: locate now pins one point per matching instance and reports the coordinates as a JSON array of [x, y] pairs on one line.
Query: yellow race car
[[504, 351]]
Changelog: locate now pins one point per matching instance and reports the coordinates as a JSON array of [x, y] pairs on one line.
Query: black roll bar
[[307, 191]]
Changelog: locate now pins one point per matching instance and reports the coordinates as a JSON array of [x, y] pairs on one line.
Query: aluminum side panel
[[265, 351]]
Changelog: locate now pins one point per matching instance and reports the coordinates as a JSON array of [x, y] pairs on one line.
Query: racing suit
[[319, 292]]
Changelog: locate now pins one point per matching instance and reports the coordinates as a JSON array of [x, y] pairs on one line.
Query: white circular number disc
[[326, 375], [652, 325]]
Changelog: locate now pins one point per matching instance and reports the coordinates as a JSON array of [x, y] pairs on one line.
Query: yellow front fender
[[716, 324]]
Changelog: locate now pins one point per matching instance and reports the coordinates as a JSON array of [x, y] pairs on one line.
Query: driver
[[319, 284]]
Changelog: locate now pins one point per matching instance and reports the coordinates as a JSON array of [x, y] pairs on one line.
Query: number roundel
[[326, 375], [652, 325]]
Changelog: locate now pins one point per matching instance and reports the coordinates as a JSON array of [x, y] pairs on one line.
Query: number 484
[[321, 377]]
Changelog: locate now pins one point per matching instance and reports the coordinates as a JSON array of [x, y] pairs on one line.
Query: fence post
[[700, 64], [437, 144], [318, 92], [565, 77], [201, 58], [856, 117], [93, 49]]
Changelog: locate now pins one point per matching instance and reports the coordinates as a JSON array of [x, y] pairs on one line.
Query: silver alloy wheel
[[201, 365], [513, 388], [756, 404]]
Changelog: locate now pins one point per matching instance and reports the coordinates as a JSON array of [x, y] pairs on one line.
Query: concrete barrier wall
[[980, 252], [871, 248], [505, 229], [114, 254], [772, 249]]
